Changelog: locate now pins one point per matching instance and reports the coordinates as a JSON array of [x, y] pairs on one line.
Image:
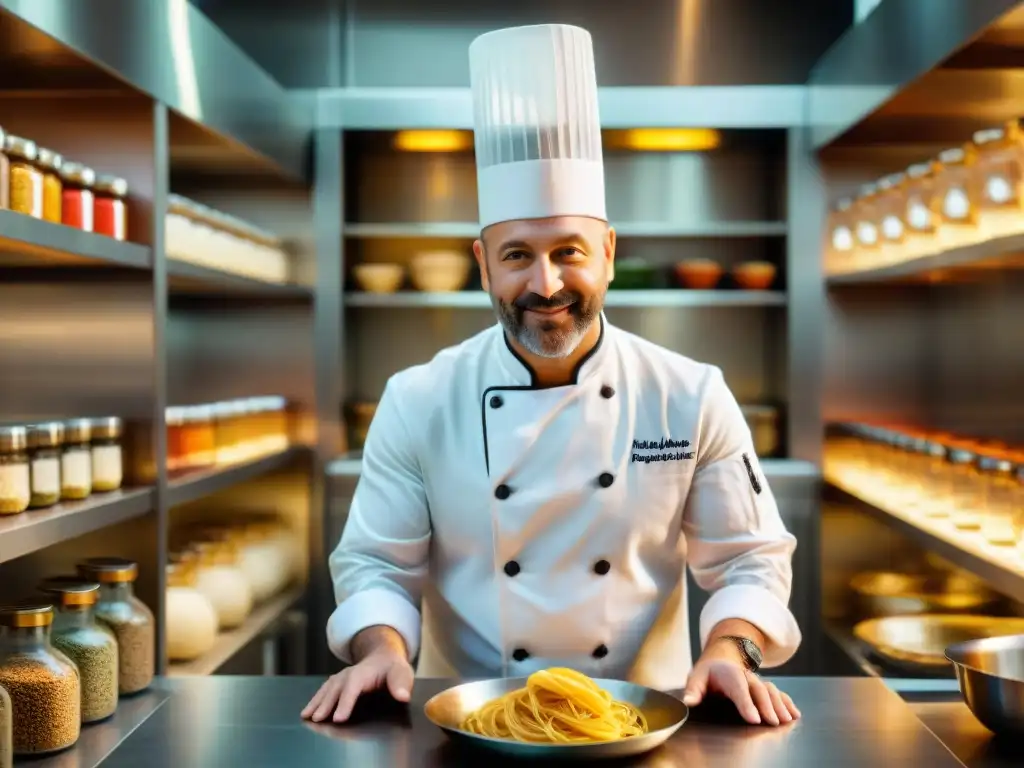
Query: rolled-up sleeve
[[380, 563], [738, 547]]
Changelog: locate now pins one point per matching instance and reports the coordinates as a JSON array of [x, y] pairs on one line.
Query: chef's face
[[547, 278]]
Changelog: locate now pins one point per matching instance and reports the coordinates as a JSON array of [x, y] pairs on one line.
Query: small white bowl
[[440, 270], [379, 278]]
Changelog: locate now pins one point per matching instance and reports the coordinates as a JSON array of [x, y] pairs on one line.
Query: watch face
[[753, 652]]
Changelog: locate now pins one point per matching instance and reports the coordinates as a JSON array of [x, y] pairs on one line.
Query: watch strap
[[752, 656]]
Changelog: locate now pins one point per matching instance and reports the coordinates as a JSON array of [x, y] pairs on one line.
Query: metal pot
[[921, 642], [991, 677], [885, 593]]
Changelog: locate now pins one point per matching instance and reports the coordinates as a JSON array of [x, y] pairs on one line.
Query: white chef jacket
[[502, 528]]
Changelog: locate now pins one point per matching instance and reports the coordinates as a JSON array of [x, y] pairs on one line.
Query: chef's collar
[[521, 374]]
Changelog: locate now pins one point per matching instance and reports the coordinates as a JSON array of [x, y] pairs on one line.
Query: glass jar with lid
[[221, 580], [999, 166], [190, 617], [76, 460], [957, 193], [43, 683], [174, 419], [77, 205], [921, 216], [26, 179], [966, 487], [45, 442], [892, 198], [198, 442], [226, 418], [6, 730], [865, 230], [50, 163], [15, 478], [110, 207], [107, 459], [5, 181], [998, 488], [128, 617], [89, 644]]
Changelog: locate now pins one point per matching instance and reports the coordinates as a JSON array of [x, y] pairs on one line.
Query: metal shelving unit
[[103, 327], [997, 253], [615, 298]]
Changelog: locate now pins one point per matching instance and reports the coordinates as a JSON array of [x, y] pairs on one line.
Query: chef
[[533, 496]]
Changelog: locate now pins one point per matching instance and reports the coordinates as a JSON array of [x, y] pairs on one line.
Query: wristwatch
[[752, 657]]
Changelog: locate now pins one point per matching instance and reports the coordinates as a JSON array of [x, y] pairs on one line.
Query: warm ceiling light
[[433, 141], [670, 139]]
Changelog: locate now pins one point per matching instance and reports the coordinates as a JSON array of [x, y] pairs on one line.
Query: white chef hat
[[536, 124]]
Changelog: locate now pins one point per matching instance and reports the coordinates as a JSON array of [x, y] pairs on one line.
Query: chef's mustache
[[555, 301]]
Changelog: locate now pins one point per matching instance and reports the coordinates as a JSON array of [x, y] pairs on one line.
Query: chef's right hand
[[384, 666]]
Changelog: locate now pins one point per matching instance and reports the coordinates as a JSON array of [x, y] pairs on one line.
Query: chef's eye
[[515, 256], [569, 252]]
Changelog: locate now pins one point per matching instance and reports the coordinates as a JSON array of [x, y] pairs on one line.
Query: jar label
[[106, 465], [46, 476], [76, 469], [955, 204], [998, 190], [14, 483]]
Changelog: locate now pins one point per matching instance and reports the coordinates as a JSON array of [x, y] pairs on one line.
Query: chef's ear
[[481, 261], [609, 251]]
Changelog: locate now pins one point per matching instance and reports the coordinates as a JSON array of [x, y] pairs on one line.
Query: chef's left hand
[[720, 670]]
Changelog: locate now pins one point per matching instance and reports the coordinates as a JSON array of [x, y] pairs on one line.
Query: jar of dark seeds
[[128, 617], [89, 644], [43, 683], [6, 734]]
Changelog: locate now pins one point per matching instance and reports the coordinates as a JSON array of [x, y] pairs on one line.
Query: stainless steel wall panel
[[682, 188], [169, 50], [401, 43], [737, 339]]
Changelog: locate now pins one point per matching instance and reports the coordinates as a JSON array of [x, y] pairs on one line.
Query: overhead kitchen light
[[433, 141], [666, 139]]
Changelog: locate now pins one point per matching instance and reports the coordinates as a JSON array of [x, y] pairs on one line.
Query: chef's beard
[[549, 338]]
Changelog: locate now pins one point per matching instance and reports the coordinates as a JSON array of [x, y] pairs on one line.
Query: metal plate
[[921, 641], [665, 714]]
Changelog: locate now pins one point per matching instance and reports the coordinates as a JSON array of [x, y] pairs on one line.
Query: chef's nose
[[545, 278]]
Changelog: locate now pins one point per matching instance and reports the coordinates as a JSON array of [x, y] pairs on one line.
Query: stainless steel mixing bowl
[[665, 715], [991, 677]]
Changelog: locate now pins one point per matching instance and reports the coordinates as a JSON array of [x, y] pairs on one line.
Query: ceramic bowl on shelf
[[754, 275], [698, 274], [633, 274], [439, 270], [379, 278]]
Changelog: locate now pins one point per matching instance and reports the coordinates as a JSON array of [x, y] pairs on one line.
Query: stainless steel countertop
[[251, 722], [975, 746]]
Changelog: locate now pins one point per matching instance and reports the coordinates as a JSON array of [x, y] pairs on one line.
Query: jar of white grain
[[107, 462]]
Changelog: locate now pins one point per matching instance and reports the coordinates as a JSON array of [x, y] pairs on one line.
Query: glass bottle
[[50, 164], [999, 166], [43, 683], [76, 460], [841, 236], [15, 478], [107, 459], [6, 730], [89, 644], [891, 208], [128, 617], [26, 187], [45, 442]]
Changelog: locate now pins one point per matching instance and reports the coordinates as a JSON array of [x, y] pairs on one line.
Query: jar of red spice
[[77, 202], [111, 212]]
